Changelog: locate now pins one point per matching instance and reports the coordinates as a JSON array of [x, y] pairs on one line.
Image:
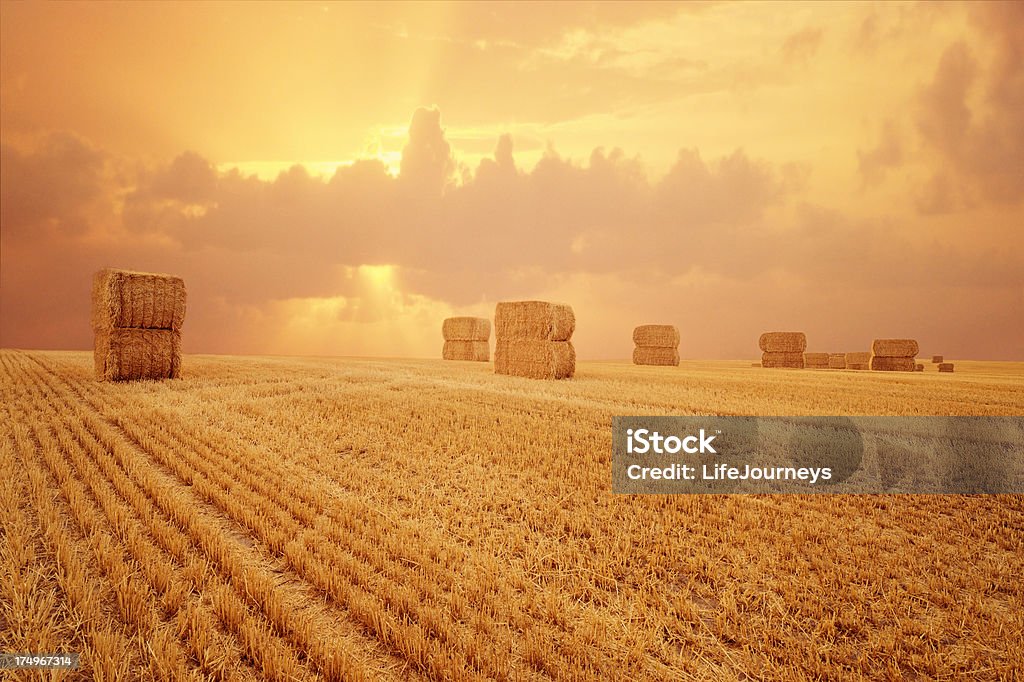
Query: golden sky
[[337, 178]]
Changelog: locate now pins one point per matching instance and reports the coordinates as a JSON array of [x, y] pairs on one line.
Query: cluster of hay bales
[[136, 322], [656, 344], [858, 360], [533, 339], [466, 338], [894, 355], [783, 349]]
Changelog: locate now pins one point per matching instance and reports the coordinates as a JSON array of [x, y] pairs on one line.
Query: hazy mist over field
[[335, 179]]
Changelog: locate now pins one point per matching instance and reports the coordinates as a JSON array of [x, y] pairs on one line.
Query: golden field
[[286, 518]]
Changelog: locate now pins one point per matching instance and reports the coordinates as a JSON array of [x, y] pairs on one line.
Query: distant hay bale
[[143, 300], [466, 329], [783, 342], [858, 365], [535, 358], [918, 367], [895, 348], [936, 359], [755, 364], [477, 351], [816, 360], [538, 320], [945, 366], [792, 360], [647, 355], [884, 364], [837, 360], [132, 353], [656, 336], [858, 358]]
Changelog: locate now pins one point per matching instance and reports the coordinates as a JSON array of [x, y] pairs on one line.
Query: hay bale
[[945, 366], [537, 320], [656, 336], [646, 355], [755, 364], [918, 367], [895, 348], [816, 360], [885, 364], [858, 358], [477, 351], [837, 360], [466, 329], [143, 300], [132, 353], [936, 359], [783, 342], [534, 358], [779, 360]]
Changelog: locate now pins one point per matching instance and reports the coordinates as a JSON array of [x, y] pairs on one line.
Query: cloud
[[330, 258]]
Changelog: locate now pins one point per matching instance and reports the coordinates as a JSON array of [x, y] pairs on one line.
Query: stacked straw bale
[[466, 338], [858, 360], [893, 355], [936, 359], [783, 349], [945, 366], [816, 360], [837, 360], [656, 344], [136, 323], [532, 339]]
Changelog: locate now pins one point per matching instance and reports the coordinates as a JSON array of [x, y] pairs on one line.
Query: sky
[[335, 179]]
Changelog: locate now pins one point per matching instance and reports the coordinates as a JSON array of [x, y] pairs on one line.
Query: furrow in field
[[247, 572]]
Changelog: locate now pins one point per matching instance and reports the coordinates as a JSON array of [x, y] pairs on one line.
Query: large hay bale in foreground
[[144, 300], [477, 351], [466, 329], [837, 360], [130, 354], [537, 320], [656, 336], [782, 360], [936, 359], [783, 342], [945, 366], [816, 360], [535, 358], [895, 348], [858, 358], [647, 355], [883, 364]]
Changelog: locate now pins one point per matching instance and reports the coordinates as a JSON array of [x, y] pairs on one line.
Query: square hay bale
[[837, 360], [792, 360], [647, 355], [130, 354], [945, 366], [143, 300], [858, 358], [936, 359], [886, 364], [477, 351], [783, 342], [894, 348], [466, 329], [816, 360], [535, 359], [918, 367], [537, 320], [656, 336]]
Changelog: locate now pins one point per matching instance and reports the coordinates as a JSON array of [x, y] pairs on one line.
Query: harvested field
[[655, 356], [290, 518]]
